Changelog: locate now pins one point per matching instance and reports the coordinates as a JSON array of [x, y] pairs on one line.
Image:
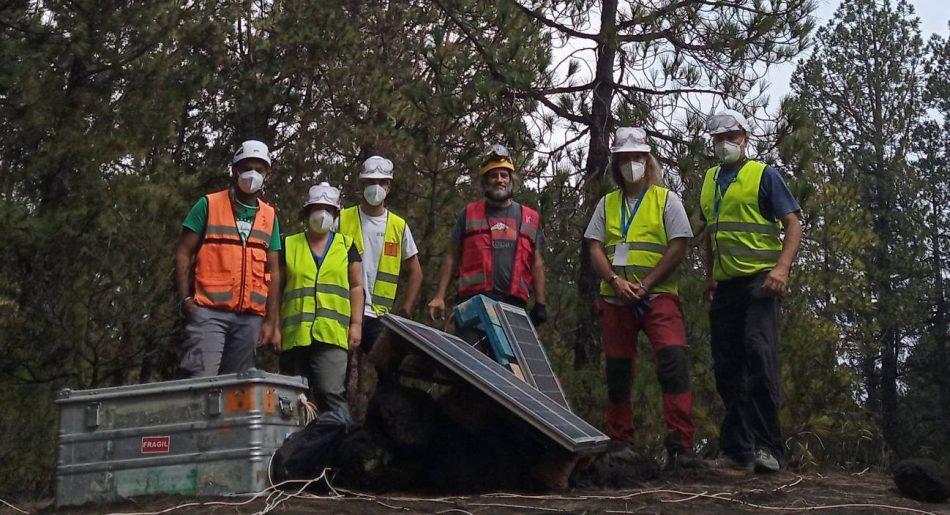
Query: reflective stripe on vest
[[315, 304], [390, 257], [743, 241], [231, 273], [476, 267], [646, 239]]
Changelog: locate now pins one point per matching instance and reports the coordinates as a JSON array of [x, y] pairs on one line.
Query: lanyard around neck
[[624, 221], [720, 191]]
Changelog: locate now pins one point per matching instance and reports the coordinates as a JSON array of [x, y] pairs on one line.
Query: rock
[[409, 417], [922, 479], [363, 459], [619, 467]]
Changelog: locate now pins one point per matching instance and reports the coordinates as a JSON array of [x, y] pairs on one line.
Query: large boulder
[[922, 479], [619, 467]]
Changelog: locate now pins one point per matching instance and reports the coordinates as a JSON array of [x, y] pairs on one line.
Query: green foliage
[[116, 117], [854, 128]]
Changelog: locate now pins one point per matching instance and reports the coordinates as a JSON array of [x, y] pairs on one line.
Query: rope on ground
[[12, 507], [273, 497], [789, 485], [689, 496], [368, 497], [516, 506], [718, 497]]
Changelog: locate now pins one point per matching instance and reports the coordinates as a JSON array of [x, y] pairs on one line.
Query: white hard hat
[[252, 148], [726, 120], [323, 193], [377, 167], [630, 139]]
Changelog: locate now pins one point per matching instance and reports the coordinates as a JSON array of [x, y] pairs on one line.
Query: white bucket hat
[[251, 148], [377, 167], [630, 139], [323, 193], [726, 120]]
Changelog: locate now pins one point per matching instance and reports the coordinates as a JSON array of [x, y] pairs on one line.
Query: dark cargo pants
[[744, 326]]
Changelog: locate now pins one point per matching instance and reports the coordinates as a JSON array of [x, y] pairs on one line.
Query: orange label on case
[[239, 400], [270, 401]]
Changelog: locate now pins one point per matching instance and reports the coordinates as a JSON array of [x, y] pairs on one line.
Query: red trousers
[[664, 327]]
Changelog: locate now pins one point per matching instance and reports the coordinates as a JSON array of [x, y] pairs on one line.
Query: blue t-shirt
[[775, 201]]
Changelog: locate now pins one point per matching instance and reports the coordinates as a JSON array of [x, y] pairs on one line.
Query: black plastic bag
[[306, 453]]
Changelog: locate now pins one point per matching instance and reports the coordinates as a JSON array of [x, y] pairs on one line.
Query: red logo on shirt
[[391, 248]]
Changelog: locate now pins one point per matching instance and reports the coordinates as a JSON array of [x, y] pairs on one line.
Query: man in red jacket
[[496, 245]]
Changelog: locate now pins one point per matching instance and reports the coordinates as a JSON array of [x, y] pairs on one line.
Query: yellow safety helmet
[[496, 156]]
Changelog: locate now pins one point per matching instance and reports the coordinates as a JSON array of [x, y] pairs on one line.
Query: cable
[[273, 497], [12, 506], [309, 409]]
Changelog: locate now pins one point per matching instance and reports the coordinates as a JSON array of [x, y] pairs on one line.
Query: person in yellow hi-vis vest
[[746, 205], [386, 246], [637, 237], [321, 313]]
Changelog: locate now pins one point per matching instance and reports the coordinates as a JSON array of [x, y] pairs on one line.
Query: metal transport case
[[202, 436]]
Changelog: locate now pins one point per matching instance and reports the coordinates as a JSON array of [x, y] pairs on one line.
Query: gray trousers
[[324, 366], [219, 342]]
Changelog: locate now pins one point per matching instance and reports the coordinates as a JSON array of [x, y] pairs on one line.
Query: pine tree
[[649, 62], [862, 89]]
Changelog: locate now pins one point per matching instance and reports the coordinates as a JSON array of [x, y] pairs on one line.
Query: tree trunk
[[889, 339], [940, 329], [586, 337]]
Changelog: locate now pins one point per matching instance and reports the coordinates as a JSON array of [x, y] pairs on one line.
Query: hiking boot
[[765, 463], [684, 460], [728, 463]]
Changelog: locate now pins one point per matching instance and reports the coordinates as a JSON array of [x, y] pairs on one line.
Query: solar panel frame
[[546, 415], [536, 366]]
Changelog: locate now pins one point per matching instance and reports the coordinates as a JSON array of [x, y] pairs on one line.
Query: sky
[[934, 17], [933, 14]]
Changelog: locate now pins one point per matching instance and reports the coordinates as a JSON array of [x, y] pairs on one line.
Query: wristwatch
[[611, 280]]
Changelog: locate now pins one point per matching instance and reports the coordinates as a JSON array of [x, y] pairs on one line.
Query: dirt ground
[[712, 492]]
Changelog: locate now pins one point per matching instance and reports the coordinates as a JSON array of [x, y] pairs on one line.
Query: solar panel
[[550, 418], [530, 353]]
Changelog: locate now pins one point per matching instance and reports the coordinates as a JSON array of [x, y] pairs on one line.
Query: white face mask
[[250, 181], [727, 152], [321, 221], [632, 171], [374, 194]]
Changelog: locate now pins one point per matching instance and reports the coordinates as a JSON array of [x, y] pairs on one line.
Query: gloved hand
[[539, 313]]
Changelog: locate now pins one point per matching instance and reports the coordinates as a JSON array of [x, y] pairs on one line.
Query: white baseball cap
[[630, 139], [323, 193], [251, 148], [377, 167], [726, 120]]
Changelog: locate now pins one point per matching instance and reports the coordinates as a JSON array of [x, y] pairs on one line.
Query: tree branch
[[558, 26], [498, 74]]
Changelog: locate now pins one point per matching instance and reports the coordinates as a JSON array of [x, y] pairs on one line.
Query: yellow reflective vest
[[743, 241], [390, 259], [315, 305], [645, 239]]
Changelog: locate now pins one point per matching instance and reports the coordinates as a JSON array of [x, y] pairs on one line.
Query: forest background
[[115, 116]]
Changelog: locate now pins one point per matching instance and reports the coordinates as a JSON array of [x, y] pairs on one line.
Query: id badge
[[620, 254]]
